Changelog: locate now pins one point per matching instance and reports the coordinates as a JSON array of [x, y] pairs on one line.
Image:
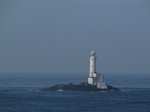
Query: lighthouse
[[94, 77], [92, 64], [92, 74]]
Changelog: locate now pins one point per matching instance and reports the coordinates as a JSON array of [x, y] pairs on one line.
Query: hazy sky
[[58, 35]]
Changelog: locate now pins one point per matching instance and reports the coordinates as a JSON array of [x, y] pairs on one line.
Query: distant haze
[[57, 36]]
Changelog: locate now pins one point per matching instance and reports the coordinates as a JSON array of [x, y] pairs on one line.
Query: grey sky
[[58, 35]]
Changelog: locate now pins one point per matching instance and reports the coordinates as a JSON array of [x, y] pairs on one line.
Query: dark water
[[18, 93]]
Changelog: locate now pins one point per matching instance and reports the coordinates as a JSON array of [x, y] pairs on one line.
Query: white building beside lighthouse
[[94, 77]]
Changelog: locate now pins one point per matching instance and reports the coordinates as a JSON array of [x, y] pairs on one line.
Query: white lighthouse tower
[[92, 64], [94, 77]]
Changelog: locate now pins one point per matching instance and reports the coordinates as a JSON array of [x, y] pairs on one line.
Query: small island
[[95, 81], [78, 87]]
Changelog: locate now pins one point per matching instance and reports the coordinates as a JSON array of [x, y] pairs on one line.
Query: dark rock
[[84, 86]]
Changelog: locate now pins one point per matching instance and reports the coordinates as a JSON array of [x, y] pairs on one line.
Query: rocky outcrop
[[78, 87]]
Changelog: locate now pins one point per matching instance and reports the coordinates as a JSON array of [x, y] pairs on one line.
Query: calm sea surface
[[19, 93]]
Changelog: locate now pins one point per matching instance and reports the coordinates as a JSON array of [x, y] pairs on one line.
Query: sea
[[20, 93]]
